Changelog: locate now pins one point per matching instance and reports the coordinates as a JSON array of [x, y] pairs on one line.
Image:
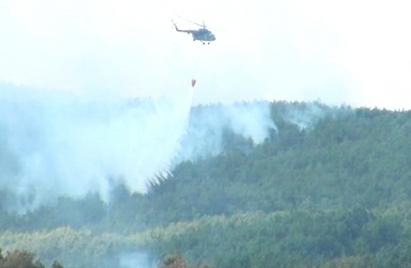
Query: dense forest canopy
[[327, 186]]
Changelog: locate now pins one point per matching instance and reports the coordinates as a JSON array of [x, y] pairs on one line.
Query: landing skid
[[201, 41]]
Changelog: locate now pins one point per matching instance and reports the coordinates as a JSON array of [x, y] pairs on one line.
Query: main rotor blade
[[202, 25]]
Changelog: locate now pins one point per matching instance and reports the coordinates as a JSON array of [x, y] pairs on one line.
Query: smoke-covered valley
[[100, 180], [56, 144]]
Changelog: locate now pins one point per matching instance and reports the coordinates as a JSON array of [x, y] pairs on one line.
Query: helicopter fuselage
[[202, 34]]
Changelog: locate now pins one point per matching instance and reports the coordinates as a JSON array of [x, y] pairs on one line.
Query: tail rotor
[[173, 25]]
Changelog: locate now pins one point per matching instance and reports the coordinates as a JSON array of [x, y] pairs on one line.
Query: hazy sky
[[353, 52]]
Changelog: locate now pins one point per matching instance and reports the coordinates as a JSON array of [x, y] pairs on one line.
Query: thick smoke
[[205, 133], [136, 260], [54, 143], [307, 115]]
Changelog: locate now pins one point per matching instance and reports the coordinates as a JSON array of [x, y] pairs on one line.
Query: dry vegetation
[[20, 259]]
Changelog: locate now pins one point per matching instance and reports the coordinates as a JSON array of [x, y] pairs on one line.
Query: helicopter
[[203, 34]]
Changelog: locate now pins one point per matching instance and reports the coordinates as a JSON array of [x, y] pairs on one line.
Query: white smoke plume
[[207, 124], [136, 260], [307, 115], [54, 143]]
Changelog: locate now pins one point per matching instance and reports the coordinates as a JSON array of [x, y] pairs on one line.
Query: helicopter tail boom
[[183, 31]]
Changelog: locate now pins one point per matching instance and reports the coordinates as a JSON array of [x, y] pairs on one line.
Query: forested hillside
[[329, 187]]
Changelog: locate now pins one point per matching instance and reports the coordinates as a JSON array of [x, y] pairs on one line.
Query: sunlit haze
[[352, 52]]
